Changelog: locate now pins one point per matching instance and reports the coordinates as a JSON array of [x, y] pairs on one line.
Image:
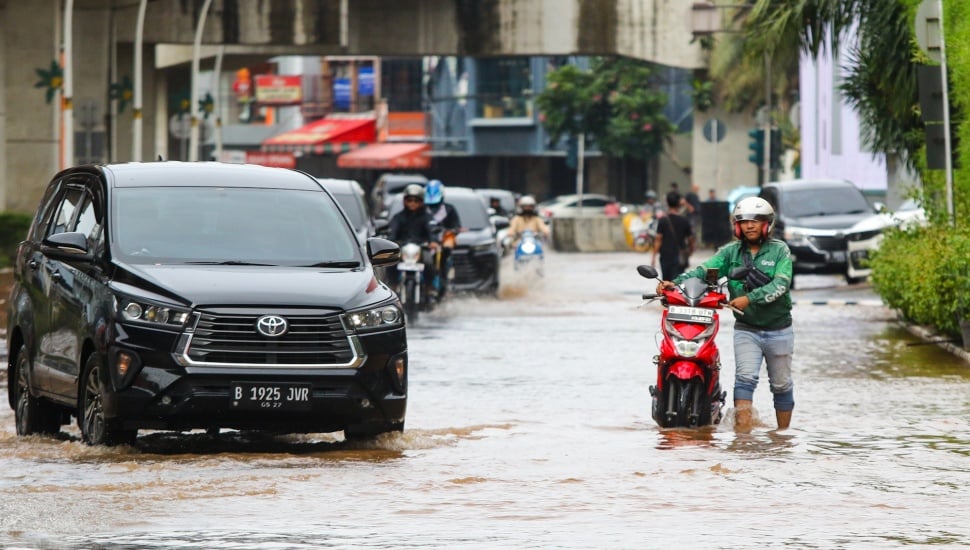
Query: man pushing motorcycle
[[763, 333]]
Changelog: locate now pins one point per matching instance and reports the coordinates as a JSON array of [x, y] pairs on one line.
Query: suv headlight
[[797, 236], [141, 311], [382, 317], [487, 246]]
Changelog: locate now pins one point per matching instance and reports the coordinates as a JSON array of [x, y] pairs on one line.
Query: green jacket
[[770, 306]]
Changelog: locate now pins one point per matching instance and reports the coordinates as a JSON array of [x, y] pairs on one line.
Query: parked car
[[476, 256], [813, 218], [180, 296], [352, 199], [389, 185], [865, 236], [569, 206]]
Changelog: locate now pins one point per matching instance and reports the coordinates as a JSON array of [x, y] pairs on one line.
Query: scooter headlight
[[528, 248], [687, 348]]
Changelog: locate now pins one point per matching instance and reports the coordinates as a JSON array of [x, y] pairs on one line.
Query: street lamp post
[[194, 102], [136, 124]]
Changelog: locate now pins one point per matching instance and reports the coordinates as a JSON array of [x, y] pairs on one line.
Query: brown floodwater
[[529, 427]]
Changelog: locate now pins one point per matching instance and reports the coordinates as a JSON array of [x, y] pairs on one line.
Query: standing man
[[692, 202], [763, 333], [674, 242]]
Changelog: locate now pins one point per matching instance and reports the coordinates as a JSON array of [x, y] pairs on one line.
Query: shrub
[[924, 274], [13, 229]]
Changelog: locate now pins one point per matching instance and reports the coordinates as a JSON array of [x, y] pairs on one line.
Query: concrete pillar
[[4, 177]]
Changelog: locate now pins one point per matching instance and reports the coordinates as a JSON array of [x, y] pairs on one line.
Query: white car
[[567, 206], [867, 234]]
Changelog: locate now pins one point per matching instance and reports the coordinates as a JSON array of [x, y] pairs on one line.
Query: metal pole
[[767, 160], [67, 102], [136, 126], [194, 102], [580, 153], [113, 102], [217, 77], [946, 123], [716, 138]]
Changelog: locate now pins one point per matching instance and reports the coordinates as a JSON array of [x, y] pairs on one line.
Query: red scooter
[[688, 391]]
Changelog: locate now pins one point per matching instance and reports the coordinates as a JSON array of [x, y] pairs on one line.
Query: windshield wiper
[[228, 262], [336, 264]]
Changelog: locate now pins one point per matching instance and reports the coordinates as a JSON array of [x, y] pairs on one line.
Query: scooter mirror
[[738, 273], [647, 271], [711, 276]]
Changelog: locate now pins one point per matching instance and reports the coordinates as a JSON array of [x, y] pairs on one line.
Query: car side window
[[65, 211]]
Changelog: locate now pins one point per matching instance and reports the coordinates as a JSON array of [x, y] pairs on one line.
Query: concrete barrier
[[589, 234]]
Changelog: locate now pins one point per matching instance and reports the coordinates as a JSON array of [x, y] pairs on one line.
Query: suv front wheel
[[95, 428]]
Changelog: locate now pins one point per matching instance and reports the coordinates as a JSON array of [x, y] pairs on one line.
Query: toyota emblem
[[271, 325]]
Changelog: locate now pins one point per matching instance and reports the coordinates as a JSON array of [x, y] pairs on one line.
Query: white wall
[[830, 129]]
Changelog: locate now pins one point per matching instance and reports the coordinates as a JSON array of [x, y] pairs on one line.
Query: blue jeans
[[774, 347]]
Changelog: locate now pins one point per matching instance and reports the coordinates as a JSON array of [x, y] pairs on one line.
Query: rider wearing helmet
[[413, 224], [527, 220], [446, 220], [764, 332]]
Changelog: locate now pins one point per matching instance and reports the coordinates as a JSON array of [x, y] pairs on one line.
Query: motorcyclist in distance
[[413, 224], [446, 220], [526, 219]]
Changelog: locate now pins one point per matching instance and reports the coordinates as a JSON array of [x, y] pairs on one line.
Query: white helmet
[[527, 200], [754, 208]]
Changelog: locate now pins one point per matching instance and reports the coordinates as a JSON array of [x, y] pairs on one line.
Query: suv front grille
[[471, 269], [232, 339], [831, 244]]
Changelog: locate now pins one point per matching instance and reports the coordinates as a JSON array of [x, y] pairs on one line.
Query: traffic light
[[757, 146], [776, 148]]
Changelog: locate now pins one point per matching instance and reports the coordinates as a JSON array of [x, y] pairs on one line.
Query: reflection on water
[[529, 427]]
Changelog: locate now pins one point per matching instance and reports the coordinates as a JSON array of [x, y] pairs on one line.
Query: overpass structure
[[102, 32]]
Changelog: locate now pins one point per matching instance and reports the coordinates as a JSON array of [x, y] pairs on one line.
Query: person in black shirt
[[413, 225], [674, 242]]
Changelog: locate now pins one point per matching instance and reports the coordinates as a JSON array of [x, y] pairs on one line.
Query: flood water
[[529, 427]]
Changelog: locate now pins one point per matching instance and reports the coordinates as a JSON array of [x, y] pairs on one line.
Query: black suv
[[476, 257], [813, 217], [181, 296]]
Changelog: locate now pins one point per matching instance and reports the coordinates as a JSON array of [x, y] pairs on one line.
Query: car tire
[[854, 280], [33, 415], [95, 428]]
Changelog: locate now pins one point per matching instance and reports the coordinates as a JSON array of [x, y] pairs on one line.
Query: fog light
[[397, 368], [125, 360]]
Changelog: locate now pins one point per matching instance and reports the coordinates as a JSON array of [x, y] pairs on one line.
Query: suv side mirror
[[67, 246], [383, 252]]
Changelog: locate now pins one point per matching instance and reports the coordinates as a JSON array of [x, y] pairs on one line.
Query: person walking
[[674, 242], [763, 331]]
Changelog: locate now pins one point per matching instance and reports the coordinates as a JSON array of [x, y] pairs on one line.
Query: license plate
[[410, 267], [690, 314], [838, 256], [269, 396]]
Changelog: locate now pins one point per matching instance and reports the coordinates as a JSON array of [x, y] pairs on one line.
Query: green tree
[[614, 104]]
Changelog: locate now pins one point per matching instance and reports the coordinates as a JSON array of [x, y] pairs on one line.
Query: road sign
[[714, 130], [929, 32]]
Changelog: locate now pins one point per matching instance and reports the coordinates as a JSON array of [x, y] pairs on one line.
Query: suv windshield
[[237, 225], [824, 202], [471, 211]]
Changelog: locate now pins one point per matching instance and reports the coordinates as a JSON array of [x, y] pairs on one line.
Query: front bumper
[[167, 396]]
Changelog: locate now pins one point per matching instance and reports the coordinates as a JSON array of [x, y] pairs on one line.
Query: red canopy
[[387, 156], [327, 135]]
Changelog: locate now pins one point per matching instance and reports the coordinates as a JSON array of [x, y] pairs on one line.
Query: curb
[[928, 335], [869, 303]]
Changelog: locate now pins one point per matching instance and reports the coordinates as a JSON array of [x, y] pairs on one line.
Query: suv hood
[[258, 285], [474, 237], [842, 221]]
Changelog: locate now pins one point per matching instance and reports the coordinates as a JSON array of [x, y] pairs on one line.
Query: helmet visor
[[752, 217]]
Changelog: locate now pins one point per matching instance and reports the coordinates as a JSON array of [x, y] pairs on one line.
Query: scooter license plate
[[410, 267], [690, 314]]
